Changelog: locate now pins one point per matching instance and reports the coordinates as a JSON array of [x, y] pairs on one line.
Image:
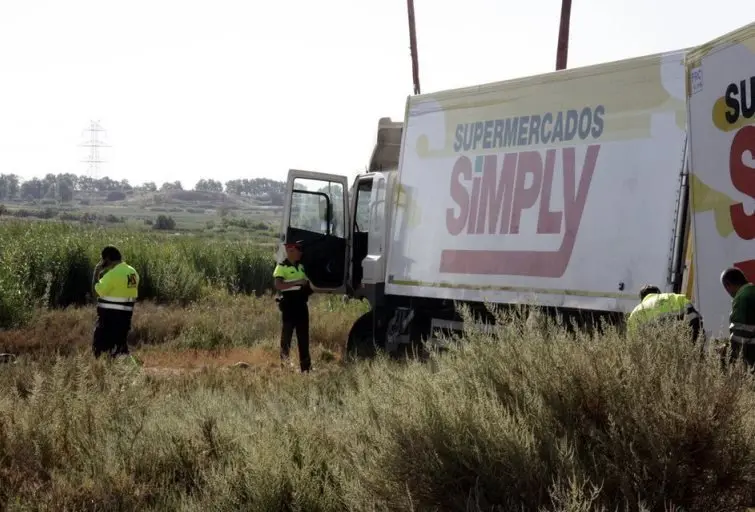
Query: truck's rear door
[[315, 212]]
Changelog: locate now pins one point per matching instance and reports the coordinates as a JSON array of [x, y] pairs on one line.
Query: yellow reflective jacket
[[659, 307], [290, 272], [118, 288]]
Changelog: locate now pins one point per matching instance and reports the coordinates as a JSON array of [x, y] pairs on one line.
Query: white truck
[[568, 190]]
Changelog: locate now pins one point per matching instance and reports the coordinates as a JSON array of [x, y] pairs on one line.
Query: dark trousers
[[295, 317], [111, 332], [746, 352]]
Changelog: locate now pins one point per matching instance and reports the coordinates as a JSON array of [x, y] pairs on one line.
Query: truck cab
[[345, 230], [346, 233]]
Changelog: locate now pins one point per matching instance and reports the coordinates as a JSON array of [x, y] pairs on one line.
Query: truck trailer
[[568, 191]]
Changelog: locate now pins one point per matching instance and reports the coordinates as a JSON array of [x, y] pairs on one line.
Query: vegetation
[[513, 420], [64, 187], [518, 419], [50, 265]]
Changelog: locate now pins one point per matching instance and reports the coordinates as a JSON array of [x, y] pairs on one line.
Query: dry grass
[[516, 421], [214, 324]]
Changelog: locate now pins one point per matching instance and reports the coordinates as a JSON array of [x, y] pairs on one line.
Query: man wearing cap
[[116, 285], [742, 317], [293, 293]]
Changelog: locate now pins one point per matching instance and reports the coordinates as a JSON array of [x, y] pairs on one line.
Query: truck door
[[315, 212]]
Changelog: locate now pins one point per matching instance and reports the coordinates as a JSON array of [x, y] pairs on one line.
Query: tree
[[32, 189], [234, 187], [176, 185], [50, 186], [65, 189], [9, 186], [14, 185], [86, 184], [70, 178], [208, 185], [164, 222]]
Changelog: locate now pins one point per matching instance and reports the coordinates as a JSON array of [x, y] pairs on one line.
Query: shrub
[[164, 222], [52, 265], [116, 195], [508, 421]]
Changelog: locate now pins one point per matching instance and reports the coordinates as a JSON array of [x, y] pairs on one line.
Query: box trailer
[[567, 190], [721, 117]]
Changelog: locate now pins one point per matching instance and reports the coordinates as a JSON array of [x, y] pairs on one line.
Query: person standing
[[294, 290], [116, 286], [742, 316]]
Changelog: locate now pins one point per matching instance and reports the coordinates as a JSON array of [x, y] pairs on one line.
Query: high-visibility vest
[[742, 317], [118, 289], [662, 307], [291, 272]]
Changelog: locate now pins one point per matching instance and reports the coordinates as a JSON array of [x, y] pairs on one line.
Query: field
[[517, 419]]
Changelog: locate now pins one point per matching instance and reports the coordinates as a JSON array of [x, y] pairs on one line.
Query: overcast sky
[[243, 88]]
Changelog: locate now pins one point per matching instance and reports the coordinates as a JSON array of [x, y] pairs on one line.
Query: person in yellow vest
[[116, 287], [294, 290], [658, 308]]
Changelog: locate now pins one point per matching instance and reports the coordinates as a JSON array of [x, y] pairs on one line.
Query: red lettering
[[748, 269], [475, 203], [462, 170], [530, 262], [575, 200], [493, 196], [529, 162], [548, 222], [743, 179]]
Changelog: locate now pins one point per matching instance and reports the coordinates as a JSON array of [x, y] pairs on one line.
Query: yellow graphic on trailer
[[706, 199]]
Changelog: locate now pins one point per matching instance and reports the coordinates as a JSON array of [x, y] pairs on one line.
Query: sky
[[228, 89]]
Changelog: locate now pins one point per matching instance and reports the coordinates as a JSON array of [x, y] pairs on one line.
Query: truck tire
[[360, 344]]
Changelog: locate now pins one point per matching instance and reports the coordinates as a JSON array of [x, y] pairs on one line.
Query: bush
[[164, 222], [52, 265], [509, 421], [116, 195]]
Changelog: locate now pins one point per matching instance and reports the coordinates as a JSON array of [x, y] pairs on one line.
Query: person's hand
[[97, 271]]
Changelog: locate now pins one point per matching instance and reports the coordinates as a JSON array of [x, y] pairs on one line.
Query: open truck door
[[315, 211]]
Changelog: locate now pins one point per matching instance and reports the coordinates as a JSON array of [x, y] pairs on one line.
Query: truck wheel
[[360, 344], [415, 350]]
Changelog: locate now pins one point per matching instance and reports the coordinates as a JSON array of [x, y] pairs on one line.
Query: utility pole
[[413, 45], [563, 35]]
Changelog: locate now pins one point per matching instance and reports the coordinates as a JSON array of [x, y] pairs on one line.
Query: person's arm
[[738, 310], [103, 287], [96, 277], [280, 283]]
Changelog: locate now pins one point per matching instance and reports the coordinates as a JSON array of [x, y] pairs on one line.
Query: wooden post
[[563, 35], [413, 46]]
